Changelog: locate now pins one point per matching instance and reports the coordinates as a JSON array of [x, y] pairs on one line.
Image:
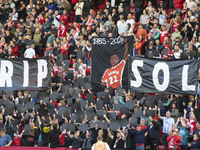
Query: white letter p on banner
[[42, 71]]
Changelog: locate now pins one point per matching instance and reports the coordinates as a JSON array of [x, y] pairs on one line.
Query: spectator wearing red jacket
[[178, 5], [17, 138], [174, 140], [64, 17], [14, 49]]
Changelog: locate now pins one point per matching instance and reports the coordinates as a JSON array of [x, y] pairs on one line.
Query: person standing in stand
[[174, 141], [99, 145], [168, 124]]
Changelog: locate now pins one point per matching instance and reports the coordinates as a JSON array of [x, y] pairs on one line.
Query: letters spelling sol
[[158, 67]]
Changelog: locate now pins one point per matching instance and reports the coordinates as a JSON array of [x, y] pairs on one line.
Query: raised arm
[[175, 126], [122, 134], [159, 116], [126, 50], [185, 112], [110, 134], [38, 118], [50, 118], [106, 119]]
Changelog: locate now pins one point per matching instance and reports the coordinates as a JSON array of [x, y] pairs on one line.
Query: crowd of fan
[[70, 115]]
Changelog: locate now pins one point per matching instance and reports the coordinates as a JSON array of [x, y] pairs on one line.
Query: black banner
[[109, 57], [25, 74], [166, 76]]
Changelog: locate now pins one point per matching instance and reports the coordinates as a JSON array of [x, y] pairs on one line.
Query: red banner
[[34, 148]]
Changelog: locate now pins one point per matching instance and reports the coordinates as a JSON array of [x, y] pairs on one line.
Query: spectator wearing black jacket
[[21, 46], [113, 29], [128, 143], [69, 140], [54, 137], [87, 6], [45, 129], [8, 10], [119, 141], [2, 54], [2, 12], [138, 9], [125, 5], [28, 140], [76, 142], [154, 132]]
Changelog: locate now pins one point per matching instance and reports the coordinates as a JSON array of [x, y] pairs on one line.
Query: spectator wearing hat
[[154, 132], [174, 140]]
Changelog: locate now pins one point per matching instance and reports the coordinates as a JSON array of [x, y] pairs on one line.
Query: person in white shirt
[[191, 5], [14, 16], [78, 11], [122, 26], [56, 21], [82, 68], [30, 52], [130, 20]]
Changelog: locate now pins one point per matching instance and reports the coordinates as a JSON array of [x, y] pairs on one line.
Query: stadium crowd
[[70, 114]]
